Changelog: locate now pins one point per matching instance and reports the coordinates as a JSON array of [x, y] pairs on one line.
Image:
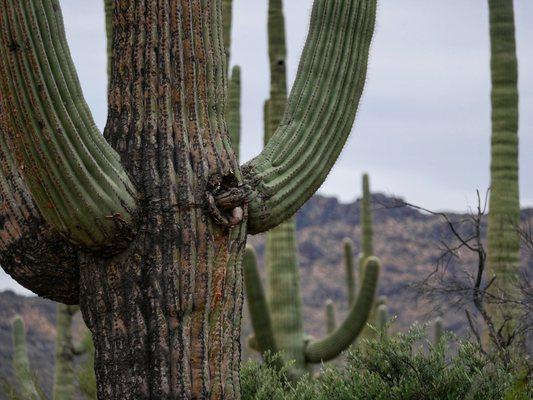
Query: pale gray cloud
[[423, 126]]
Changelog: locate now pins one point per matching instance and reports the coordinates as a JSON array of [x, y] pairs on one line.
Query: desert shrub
[[404, 366]]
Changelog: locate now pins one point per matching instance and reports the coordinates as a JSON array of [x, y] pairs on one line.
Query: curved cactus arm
[[21, 361], [503, 254], [257, 304], [31, 251], [234, 110], [339, 340], [319, 114], [350, 272], [73, 175], [330, 316]]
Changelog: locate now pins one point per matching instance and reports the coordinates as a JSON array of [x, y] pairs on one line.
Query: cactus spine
[[21, 361], [504, 214]]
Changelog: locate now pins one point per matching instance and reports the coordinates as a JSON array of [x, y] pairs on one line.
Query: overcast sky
[[423, 125]]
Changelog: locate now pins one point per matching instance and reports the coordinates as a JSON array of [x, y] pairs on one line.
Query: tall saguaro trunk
[[146, 230], [169, 307], [503, 256]]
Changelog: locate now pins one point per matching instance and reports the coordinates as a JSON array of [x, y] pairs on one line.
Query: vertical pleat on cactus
[[504, 214]]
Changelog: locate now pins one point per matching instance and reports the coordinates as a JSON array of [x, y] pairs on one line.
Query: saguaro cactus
[[382, 319], [438, 330], [331, 323], [504, 214], [350, 273], [21, 361], [283, 314], [145, 226], [367, 230]]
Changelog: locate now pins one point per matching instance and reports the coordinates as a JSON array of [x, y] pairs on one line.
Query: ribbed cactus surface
[[504, 214]]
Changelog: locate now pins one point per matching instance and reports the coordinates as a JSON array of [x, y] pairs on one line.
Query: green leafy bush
[[404, 366]]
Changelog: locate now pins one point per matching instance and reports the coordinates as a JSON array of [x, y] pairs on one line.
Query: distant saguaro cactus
[[331, 322], [21, 361], [438, 330], [145, 226], [282, 312], [504, 214], [382, 320]]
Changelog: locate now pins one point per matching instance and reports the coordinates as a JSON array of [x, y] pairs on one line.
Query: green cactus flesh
[[504, 214], [331, 323], [74, 175], [21, 361], [234, 109]]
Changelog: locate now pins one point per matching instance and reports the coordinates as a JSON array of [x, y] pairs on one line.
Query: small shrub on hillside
[[404, 366]]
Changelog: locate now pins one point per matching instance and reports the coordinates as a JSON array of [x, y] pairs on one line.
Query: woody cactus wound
[[145, 226]]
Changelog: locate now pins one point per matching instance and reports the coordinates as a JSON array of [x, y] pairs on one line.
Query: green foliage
[[397, 368]]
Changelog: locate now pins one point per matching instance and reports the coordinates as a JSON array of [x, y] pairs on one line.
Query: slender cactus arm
[[350, 269], [234, 110], [319, 113], [257, 304], [340, 339], [331, 323], [21, 361], [75, 178]]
